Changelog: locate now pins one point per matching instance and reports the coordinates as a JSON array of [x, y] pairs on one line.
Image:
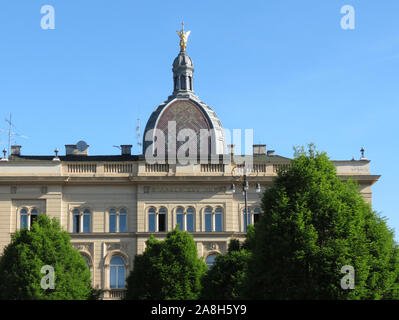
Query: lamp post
[[245, 188]]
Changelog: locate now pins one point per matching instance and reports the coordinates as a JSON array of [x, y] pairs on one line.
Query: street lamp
[[245, 188]]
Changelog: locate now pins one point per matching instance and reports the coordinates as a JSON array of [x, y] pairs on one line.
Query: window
[[24, 218], [190, 82], [76, 220], [28, 217], [180, 218], [162, 220], [122, 220], [210, 260], [185, 219], [86, 220], [33, 216], [190, 219], [208, 219], [252, 217], [214, 220], [117, 220], [157, 219], [117, 273], [151, 220], [112, 220], [183, 82], [81, 220], [218, 219], [176, 81]]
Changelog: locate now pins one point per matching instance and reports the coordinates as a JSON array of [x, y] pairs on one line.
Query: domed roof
[[186, 113], [182, 60]]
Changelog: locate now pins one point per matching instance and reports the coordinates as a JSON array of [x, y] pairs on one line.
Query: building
[[111, 204]]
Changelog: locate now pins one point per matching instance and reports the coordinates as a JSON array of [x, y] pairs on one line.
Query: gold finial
[[183, 38]]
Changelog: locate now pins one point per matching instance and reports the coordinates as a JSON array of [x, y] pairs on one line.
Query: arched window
[[157, 219], [151, 219], [185, 219], [33, 216], [219, 219], [24, 218], [76, 220], [180, 218], [86, 220], [117, 273], [208, 219], [81, 220], [213, 219], [162, 219], [183, 82], [28, 217], [122, 220], [190, 82], [190, 219], [210, 260], [252, 217]]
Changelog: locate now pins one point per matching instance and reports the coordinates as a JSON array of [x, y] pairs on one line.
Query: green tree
[[312, 225], [225, 279], [44, 244], [167, 270]]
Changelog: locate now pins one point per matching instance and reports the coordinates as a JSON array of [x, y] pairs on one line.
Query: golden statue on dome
[[183, 38]]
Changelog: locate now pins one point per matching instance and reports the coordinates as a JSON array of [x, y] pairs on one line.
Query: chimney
[[230, 148], [270, 153], [259, 149], [126, 149], [16, 150]]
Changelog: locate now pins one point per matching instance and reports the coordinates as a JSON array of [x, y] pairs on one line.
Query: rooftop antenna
[[138, 136], [11, 133]]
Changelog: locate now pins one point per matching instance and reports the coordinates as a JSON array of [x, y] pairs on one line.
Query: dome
[[182, 60], [185, 110], [185, 113]]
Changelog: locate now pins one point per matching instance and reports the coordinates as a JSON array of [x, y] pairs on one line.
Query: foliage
[[44, 244], [167, 270], [225, 279], [312, 225]]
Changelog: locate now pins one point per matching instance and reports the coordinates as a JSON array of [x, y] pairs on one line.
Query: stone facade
[[56, 188]]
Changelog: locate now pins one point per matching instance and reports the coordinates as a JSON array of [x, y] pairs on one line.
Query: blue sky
[[284, 68]]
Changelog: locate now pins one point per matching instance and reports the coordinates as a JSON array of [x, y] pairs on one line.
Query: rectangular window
[[162, 222], [112, 223], [208, 222], [190, 222], [122, 223], [180, 221], [218, 222], [86, 223], [151, 222]]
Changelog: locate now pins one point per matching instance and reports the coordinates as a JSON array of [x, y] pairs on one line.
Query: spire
[[183, 67]]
